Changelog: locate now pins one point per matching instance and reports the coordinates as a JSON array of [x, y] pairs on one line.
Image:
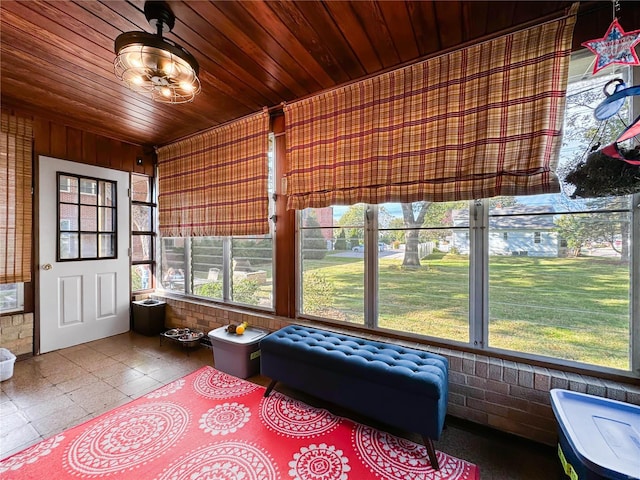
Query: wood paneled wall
[[68, 143]]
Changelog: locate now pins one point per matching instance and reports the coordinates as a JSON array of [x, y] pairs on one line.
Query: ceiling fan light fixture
[[155, 66]]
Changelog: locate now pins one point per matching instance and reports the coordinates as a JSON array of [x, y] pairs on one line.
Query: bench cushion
[[403, 368]]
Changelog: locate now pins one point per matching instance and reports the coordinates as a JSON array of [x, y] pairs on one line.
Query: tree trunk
[[411, 255], [624, 248]]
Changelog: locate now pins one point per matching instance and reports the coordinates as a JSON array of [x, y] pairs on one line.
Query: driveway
[[382, 254]]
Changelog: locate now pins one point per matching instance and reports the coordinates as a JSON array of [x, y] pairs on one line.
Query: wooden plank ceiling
[[57, 56]]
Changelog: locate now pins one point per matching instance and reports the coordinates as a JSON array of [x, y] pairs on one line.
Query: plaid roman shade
[[15, 199], [215, 183], [475, 123]]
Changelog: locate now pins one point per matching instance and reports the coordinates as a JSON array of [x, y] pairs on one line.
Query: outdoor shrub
[[245, 291], [136, 281], [318, 292], [257, 252], [341, 241], [211, 290], [314, 245]]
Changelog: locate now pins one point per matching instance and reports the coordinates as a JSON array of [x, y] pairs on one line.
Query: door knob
[[47, 266]]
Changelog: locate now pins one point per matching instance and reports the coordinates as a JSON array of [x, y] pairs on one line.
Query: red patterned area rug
[[210, 425]]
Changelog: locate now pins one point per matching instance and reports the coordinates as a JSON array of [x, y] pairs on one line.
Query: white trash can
[[7, 360], [237, 355]]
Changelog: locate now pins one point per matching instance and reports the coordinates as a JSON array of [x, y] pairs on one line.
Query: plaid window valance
[[215, 183], [15, 190], [475, 123]]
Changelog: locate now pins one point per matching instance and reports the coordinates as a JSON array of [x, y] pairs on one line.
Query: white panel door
[[83, 250]]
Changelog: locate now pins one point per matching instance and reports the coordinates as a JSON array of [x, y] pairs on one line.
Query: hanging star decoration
[[617, 46]]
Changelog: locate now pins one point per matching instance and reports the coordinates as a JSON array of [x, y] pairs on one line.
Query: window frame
[[151, 233], [479, 255]]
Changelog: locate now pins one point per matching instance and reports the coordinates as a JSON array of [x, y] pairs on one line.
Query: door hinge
[[129, 252]]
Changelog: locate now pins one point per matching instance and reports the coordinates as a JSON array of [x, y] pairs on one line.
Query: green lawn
[[571, 308]]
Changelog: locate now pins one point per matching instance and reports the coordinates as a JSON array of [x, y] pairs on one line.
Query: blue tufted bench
[[398, 386]]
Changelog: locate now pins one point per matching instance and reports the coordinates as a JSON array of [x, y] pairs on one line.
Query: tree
[[352, 222], [439, 214], [575, 230], [341, 241], [503, 202], [609, 227], [314, 245], [413, 215], [584, 228], [396, 235]]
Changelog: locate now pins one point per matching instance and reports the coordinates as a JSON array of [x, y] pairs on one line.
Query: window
[[546, 276], [11, 297], [332, 257], [419, 256], [233, 269], [86, 218], [564, 293], [143, 211], [569, 302]]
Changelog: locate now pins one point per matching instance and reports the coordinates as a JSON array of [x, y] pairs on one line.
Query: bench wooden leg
[[432, 452], [270, 387]]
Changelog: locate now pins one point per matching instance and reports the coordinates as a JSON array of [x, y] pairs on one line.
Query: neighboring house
[[517, 231], [324, 217]]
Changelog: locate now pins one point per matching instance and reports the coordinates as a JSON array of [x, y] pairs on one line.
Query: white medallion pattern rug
[[210, 425]]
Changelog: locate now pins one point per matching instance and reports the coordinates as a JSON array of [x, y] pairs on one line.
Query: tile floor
[[57, 390]]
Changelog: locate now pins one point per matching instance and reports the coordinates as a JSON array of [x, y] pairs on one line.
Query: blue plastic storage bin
[[598, 438]]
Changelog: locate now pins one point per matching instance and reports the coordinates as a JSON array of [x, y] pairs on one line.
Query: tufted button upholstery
[[407, 369], [398, 386]]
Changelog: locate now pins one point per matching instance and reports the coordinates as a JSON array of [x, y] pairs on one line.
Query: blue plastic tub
[[598, 438]]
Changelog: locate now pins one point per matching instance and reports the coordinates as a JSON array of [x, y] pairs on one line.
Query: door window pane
[[68, 217], [88, 191], [88, 218], [89, 245], [68, 246], [107, 194], [68, 189], [107, 245], [106, 219]]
